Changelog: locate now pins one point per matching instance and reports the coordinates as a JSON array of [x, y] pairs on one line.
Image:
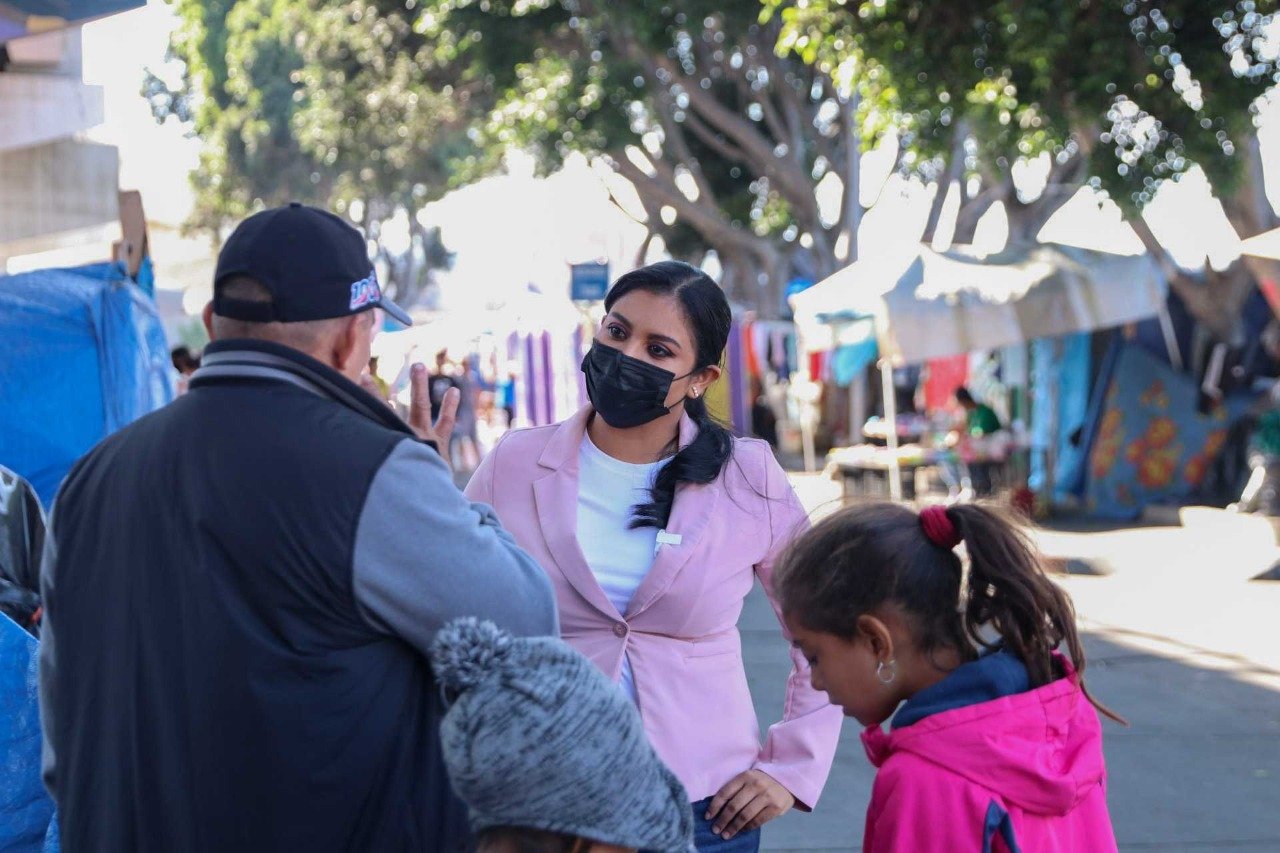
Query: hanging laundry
[[945, 375], [750, 357], [760, 346]]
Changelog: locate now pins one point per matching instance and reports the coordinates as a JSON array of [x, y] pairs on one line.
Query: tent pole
[[1170, 338], [1054, 402], [807, 440], [857, 406], [891, 421]]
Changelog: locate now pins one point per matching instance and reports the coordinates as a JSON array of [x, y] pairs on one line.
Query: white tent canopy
[[922, 305], [927, 304]]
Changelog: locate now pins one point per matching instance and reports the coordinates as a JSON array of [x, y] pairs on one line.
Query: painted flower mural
[[1152, 445]]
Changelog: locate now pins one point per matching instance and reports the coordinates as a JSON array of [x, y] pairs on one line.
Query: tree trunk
[[643, 251], [770, 281], [1216, 302], [972, 212], [736, 270], [1250, 214], [953, 175], [851, 215]]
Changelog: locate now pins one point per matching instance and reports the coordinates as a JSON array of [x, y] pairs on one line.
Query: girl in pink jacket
[[995, 744]]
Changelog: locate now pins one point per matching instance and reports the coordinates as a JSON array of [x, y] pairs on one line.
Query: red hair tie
[[939, 528]]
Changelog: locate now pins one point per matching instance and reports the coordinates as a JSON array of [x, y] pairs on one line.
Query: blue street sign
[[588, 282]]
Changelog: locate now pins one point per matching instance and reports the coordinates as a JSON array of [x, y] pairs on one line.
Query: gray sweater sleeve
[[425, 555]]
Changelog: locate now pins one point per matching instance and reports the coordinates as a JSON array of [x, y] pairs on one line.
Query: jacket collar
[[993, 675], [244, 360], [556, 496], [562, 449]]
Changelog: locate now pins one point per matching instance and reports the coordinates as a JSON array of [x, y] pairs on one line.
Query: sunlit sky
[[514, 229]]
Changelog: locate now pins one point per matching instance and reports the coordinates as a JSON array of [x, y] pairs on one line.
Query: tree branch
[[954, 174], [969, 215], [708, 221], [793, 183], [675, 136], [777, 128], [713, 140]]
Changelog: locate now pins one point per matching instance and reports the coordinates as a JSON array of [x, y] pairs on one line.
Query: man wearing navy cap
[[242, 589]]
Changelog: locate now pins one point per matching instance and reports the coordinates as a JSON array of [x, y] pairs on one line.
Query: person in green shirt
[[980, 419]]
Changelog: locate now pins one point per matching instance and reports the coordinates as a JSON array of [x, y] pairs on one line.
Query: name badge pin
[[665, 538]]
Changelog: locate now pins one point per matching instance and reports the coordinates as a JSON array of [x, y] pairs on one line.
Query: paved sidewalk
[[1179, 642]]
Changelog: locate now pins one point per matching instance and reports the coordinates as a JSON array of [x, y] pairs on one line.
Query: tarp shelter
[[20, 18], [922, 305], [27, 822], [926, 305], [83, 355]]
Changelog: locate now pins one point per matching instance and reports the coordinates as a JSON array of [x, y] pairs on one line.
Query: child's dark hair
[[864, 557]]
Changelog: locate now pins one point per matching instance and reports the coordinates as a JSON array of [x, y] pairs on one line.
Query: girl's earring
[[886, 671]]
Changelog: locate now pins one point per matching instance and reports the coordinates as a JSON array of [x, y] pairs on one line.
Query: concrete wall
[[56, 187], [52, 183]]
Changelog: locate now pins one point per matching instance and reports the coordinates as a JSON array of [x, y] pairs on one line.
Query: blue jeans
[[708, 842]]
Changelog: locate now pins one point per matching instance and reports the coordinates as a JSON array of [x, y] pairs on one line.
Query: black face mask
[[626, 391]]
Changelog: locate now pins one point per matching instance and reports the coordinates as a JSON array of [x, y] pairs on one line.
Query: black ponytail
[[710, 320], [701, 461], [1009, 592]]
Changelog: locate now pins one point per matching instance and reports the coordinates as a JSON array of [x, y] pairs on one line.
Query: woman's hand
[[749, 801]]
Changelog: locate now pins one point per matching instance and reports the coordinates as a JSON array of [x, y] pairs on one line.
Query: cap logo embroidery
[[366, 292]]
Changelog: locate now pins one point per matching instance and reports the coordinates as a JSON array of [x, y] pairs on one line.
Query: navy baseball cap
[[314, 264]]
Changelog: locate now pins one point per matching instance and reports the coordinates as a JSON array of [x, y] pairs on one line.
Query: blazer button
[[619, 629]]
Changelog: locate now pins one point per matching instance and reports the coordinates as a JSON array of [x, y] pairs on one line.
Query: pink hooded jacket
[[1020, 773]]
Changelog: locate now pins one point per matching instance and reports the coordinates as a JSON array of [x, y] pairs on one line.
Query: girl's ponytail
[[1009, 593]]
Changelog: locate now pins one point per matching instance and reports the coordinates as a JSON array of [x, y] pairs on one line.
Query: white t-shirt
[[608, 490]]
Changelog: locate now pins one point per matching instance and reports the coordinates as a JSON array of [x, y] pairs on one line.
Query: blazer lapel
[[690, 517], [691, 514], [556, 495]]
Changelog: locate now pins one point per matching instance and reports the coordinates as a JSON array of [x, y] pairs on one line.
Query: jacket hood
[[1040, 750]]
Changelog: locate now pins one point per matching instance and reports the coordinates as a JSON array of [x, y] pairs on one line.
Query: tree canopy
[[737, 123], [725, 141], [1122, 94], [394, 103], [318, 102]]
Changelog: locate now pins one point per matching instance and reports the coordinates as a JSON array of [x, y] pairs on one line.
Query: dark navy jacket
[[241, 590]]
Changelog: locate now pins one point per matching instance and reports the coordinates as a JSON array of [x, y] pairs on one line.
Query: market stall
[[922, 305]]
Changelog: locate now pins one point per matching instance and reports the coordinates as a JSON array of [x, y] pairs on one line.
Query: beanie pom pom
[[466, 651]]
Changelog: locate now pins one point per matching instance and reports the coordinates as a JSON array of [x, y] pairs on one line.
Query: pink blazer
[[680, 631]]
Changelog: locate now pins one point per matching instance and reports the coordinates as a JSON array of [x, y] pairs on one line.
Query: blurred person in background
[[186, 364], [380, 387]]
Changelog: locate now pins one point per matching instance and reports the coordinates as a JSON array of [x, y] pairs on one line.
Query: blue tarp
[[20, 18], [82, 354], [1064, 374], [26, 812], [1151, 445]]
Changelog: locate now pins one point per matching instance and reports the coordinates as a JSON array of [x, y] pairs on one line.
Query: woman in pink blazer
[[653, 523]]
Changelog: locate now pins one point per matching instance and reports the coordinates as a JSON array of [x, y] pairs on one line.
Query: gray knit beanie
[[537, 737]]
